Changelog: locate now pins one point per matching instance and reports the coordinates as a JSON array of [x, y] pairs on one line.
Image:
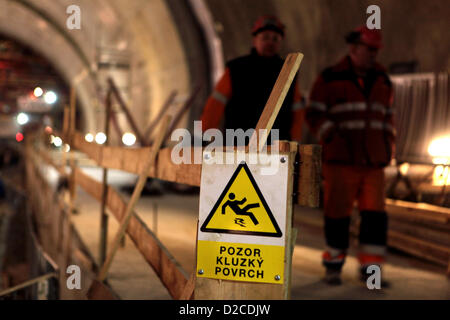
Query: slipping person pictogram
[[234, 205]]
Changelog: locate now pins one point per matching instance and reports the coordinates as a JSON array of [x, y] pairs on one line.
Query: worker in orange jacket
[[243, 90], [350, 112]]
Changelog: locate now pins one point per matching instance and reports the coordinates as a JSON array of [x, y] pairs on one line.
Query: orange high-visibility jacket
[[351, 116], [242, 100]]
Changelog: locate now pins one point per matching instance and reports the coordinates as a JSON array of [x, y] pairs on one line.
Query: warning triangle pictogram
[[242, 209]]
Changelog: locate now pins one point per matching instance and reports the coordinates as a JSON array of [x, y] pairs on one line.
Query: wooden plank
[[420, 248], [276, 99], [130, 160], [420, 232], [291, 234], [418, 211], [126, 110], [310, 175], [103, 242], [188, 290], [162, 111], [182, 111], [207, 289], [28, 283], [150, 162], [172, 276]]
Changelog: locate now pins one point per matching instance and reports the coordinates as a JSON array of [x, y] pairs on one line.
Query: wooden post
[[65, 128], [207, 288], [184, 108], [103, 215], [125, 109], [115, 123], [161, 113], [155, 218], [72, 184], [275, 100], [134, 198], [215, 289]]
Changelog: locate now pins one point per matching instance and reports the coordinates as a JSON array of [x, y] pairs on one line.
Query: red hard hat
[[370, 37], [268, 22]]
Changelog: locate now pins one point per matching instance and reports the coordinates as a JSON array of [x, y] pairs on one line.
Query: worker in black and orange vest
[[241, 94], [350, 112]]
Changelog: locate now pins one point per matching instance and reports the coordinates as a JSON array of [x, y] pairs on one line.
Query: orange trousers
[[343, 185]]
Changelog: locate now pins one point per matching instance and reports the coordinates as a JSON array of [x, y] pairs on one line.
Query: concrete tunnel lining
[[159, 62]]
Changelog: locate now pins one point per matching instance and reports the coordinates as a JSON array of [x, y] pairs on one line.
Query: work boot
[[333, 277], [364, 276]]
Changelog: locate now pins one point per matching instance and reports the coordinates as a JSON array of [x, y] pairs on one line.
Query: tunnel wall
[[412, 30], [169, 49]]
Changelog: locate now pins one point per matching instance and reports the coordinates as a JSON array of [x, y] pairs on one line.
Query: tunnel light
[[38, 92], [57, 142], [66, 148], [128, 139], [89, 137], [19, 136], [441, 176], [50, 97], [100, 138], [404, 168], [48, 130], [439, 149], [22, 118]]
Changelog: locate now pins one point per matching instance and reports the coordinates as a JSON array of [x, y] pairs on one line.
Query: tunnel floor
[[176, 221]]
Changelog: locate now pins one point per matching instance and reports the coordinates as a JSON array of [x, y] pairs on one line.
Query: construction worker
[[350, 112], [242, 92]]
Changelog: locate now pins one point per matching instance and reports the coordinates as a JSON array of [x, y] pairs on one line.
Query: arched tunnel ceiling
[[169, 48], [144, 30], [412, 29]]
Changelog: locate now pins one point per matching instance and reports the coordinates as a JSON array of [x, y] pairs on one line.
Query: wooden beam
[[162, 111], [183, 109], [130, 160], [420, 248], [310, 175], [149, 162], [28, 283], [103, 242], [126, 110], [420, 212], [276, 99], [173, 277]]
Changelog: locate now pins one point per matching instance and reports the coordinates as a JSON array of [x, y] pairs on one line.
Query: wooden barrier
[[173, 277], [52, 223], [303, 188], [131, 160], [420, 229]]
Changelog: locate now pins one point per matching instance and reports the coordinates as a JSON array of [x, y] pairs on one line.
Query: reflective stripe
[[376, 125], [297, 106], [379, 125], [372, 249], [360, 124], [324, 127], [335, 252], [219, 97], [376, 106], [328, 258], [360, 106], [352, 125], [317, 105], [348, 107]]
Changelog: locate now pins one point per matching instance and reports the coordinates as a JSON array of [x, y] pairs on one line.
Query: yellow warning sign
[[242, 209], [240, 261]]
